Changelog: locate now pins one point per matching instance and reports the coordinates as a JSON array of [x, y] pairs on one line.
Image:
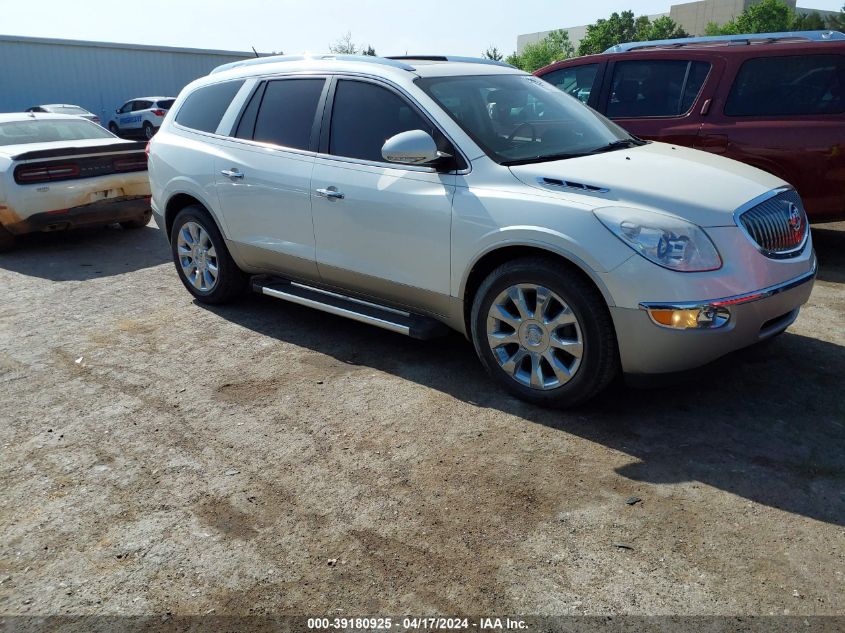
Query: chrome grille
[[777, 226]]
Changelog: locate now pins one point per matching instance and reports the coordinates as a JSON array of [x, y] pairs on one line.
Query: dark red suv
[[774, 101]]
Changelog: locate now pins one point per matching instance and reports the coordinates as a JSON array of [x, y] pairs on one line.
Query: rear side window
[[287, 111], [165, 104], [365, 115], [141, 105], [655, 88], [204, 108], [576, 81], [793, 85]]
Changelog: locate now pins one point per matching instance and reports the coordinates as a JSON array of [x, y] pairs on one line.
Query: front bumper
[[646, 347]]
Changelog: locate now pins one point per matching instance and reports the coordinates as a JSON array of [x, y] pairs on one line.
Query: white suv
[[414, 194], [140, 117]]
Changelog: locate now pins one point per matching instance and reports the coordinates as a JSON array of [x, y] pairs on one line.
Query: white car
[[415, 194], [60, 171], [140, 117], [65, 108]]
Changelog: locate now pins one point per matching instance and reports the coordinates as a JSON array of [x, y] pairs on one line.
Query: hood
[[700, 187]]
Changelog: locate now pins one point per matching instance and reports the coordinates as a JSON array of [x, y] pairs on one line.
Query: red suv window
[[793, 85], [655, 87], [575, 80]]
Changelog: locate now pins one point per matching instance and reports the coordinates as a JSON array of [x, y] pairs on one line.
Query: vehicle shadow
[[766, 423], [88, 253], [829, 242]]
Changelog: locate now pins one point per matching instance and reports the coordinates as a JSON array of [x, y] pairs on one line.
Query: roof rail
[[272, 59], [450, 58], [803, 36]]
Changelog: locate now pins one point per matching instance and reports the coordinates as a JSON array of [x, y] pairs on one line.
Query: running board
[[407, 323]]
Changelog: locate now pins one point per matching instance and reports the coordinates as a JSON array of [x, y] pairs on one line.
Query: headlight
[[666, 240]]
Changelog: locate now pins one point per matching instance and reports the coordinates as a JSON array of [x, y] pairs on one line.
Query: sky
[[392, 27]]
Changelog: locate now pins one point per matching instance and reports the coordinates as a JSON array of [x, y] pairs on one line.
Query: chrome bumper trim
[[749, 297]]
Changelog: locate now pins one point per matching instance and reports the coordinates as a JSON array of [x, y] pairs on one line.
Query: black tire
[[114, 129], [140, 222], [149, 130], [599, 363], [7, 240], [231, 281]]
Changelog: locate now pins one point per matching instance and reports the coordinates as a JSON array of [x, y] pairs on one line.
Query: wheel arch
[[492, 258], [178, 201]]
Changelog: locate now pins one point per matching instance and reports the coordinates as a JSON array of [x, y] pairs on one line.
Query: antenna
[[255, 51]]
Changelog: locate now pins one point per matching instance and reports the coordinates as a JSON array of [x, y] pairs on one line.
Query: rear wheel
[[149, 131], [140, 222], [544, 333], [202, 260]]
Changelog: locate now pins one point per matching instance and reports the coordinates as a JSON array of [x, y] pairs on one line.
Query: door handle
[[330, 193], [232, 173]]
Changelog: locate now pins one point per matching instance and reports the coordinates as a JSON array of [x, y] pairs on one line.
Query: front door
[[382, 229]]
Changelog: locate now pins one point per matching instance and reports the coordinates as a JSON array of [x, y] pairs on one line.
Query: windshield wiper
[[620, 144], [542, 159]]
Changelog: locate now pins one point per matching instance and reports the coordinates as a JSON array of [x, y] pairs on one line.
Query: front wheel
[[114, 129], [202, 260], [544, 333]]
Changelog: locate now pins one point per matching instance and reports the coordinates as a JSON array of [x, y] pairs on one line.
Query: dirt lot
[[160, 457]]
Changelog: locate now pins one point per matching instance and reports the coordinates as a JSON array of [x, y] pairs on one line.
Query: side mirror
[[413, 147], [117, 111]]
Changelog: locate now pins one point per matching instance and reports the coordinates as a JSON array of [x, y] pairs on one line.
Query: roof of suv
[[753, 45], [421, 66]]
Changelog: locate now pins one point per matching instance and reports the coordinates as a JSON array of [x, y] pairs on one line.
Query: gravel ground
[[162, 457]]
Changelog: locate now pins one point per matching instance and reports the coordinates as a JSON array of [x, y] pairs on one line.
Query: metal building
[[99, 76]]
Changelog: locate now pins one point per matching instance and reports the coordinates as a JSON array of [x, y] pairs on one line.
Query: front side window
[[576, 81], [48, 131], [365, 115], [517, 118], [286, 113], [126, 107], [790, 85], [204, 108], [655, 88]]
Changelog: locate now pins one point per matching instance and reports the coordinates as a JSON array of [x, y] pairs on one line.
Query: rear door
[[784, 114], [263, 175], [660, 98]]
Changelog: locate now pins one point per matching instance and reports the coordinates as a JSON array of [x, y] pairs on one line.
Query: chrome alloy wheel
[[534, 336], [197, 257]]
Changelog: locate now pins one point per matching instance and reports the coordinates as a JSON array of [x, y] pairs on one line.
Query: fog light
[[704, 317]]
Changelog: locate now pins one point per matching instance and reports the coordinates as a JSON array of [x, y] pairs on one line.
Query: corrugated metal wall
[[97, 77]]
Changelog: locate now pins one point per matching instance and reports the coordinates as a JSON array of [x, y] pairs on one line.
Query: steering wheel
[[519, 127]]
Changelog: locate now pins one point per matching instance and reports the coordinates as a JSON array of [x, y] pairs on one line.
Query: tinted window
[[126, 107], [649, 88], [576, 81], [165, 104], [47, 131], [365, 115], [142, 105], [809, 84], [205, 107], [286, 115]]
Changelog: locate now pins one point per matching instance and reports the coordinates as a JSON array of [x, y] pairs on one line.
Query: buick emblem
[[794, 217]]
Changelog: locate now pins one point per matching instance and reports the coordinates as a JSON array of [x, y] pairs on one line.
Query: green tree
[[808, 22], [554, 47], [493, 53], [768, 16], [369, 51], [836, 22], [621, 28]]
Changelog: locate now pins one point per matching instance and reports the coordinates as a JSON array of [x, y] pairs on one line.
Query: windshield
[[519, 118], [49, 130]]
